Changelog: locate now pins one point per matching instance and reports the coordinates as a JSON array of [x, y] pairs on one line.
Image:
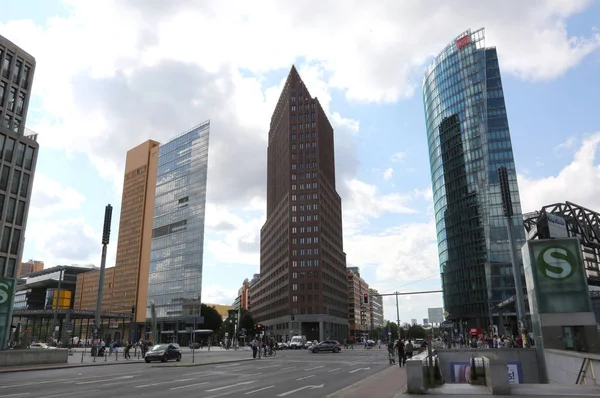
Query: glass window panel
[[4, 177], [5, 240], [8, 149], [16, 179], [10, 210], [10, 267], [20, 213], [25, 185], [16, 239], [20, 154], [28, 163], [2, 265]]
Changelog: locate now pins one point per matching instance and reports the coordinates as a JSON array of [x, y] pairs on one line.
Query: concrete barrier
[[417, 373], [32, 357], [569, 367]]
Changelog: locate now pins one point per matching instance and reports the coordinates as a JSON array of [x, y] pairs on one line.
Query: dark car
[[163, 352], [327, 345]]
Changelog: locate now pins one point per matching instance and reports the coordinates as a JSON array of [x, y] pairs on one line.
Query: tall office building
[[17, 151], [376, 309], [18, 158], [126, 284], [132, 264], [359, 312], [175, 280], [302, 287], [469, 139]]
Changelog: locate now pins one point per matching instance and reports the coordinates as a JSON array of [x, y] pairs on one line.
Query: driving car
[[163, 352], [327, 345]]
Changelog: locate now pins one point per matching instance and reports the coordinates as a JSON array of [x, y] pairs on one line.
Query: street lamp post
[[105, 241]]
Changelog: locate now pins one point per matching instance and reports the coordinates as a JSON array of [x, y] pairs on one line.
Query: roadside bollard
[[116, 355], [105, 355], [82, 352]]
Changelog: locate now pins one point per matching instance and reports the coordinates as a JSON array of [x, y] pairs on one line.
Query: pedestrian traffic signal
[[507, 324], [258, 326], [366, 298]]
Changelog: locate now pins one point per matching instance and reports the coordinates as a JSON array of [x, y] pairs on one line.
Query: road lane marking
[[248, 375], [28, 384], [289, 367], [300, 389], [104, 376], [164, 382], [64, 394], [269, 367], [228, 366], [305, 377], [104, 381], [243, 383], [316, 367], [15, 395], [187, 386], [205, 372], [333, 370], [359, 369], [259, 390]]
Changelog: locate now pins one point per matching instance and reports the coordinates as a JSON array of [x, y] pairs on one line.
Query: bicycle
[[271, 353]]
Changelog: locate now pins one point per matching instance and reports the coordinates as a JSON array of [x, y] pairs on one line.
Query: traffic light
[[133, 309], [258, 327], [507, 324], [366, 298]]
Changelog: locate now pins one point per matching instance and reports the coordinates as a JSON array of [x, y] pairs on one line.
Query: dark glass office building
[[175, 279], [18, 153], [469, 139]]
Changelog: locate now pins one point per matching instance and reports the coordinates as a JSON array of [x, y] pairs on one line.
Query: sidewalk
[[386, 384], [75, 361]]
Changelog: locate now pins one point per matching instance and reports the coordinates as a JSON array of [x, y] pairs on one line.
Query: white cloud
[[398, 157], [582, 170], [50, 197], [388, 174], [214, 294]]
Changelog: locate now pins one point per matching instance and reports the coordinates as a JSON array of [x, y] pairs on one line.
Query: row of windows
[[308, 218], [303, 166], [308, 196], [24, 153], [304, 175], [305, 229], [307, 252], [303, 136], [304, 126], [304, 155], [295, 108], [305, 263], [305, 186], [314, 206], [20, 73], [304, 116], [304, 145], [305, 241], [16, 99]]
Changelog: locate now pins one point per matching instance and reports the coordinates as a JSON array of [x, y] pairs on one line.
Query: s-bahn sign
[[7, 290], [555, 275]]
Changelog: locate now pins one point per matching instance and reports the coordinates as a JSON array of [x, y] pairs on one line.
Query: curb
[[360, 383], [189, 365]]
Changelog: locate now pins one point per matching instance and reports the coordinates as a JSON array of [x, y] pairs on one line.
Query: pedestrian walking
[[401, 353], [254, 348]]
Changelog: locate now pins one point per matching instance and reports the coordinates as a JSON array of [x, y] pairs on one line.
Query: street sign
[[446, 313], [198, 320]]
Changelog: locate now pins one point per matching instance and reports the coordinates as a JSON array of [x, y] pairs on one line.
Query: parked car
[[163, 352], [327, 345]]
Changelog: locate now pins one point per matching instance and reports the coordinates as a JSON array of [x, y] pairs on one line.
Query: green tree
[[393, 327], [212, 319]]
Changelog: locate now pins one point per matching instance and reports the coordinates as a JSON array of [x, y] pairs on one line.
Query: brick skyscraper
[[302, 287]]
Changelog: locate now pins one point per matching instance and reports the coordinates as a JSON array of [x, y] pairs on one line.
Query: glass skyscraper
[[175, 279], [469, 139]]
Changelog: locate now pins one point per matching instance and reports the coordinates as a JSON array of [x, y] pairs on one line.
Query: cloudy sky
[[113, 73]]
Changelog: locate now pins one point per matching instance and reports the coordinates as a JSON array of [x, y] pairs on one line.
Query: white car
[[39, 345]]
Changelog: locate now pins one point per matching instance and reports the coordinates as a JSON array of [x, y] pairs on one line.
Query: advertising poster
[[460, 372]]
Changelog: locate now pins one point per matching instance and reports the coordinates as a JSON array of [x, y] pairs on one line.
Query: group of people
[[260, 346], [404, 349]]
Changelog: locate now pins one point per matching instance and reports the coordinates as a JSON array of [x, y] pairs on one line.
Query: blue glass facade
[[469, 139], [175, 280]]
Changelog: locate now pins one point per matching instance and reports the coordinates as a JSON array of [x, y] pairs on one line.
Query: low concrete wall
[[32, 357], [527, 357], [563, 366], [416, 382]]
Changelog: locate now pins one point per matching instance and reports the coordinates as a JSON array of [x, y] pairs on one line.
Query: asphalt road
[[290, 374]]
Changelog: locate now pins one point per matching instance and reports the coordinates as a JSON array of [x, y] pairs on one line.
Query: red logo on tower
[[463, 41]]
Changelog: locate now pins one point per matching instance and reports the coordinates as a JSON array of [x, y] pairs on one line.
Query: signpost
[[7, 294]]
